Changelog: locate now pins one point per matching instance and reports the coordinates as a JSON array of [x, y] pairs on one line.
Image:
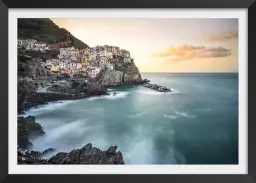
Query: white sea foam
[[152, 92], [184, 114], [56, 136], [179, 114], [173, 156], [48, 107], [180, 158], [171, 116], [174, 91], [111, 96], [136, 153], [22, 115]]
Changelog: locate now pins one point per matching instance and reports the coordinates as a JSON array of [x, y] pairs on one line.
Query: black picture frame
[[6, 4]]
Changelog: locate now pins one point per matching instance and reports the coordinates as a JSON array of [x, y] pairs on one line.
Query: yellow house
[[86, 51], [85, 61], [55, 68], [86, 57]]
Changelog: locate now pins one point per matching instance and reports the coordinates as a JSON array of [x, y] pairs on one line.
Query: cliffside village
[[72, 61]]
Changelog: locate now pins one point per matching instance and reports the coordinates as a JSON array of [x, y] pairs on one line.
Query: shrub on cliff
[[132, 60]]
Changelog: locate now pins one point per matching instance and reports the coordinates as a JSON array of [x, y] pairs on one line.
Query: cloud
[[225, 36], [187, 52]]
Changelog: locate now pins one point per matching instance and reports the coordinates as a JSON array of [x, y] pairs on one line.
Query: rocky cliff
[[28, 129], [126, 73], [131, 74]]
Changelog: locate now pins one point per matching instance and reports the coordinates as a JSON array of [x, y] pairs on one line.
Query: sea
[[196, 123]]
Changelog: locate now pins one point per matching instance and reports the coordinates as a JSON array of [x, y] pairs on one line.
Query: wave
[[179, 114], [58, 136], [184, 114], [111, 96], [137, 114], [47, 107], [153, 92], [134, 152], [175, 91], [171, 116]]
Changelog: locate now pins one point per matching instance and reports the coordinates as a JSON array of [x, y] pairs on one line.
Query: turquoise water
[[196, 124]]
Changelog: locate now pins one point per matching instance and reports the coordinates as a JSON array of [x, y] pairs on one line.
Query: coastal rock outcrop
[[131, 74], [132, 78], [25, 90], [26, 156], [156, 87], [93, 89], [75, 90], [112, 77], [85, 155], [126, 73], [145, 81], [28, 97], [28, 129]]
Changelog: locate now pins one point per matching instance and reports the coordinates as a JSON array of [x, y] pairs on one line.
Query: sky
[[165, 44]]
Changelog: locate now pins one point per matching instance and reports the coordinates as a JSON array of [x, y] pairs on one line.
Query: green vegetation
[[44, 30], [132, 60]]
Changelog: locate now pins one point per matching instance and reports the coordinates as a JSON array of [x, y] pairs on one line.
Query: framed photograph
[[157, 89]]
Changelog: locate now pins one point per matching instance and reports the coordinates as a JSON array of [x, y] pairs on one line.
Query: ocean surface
[[197, 123]]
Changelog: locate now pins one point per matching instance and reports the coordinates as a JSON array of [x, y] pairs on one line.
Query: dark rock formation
[[28, 129], [30, 157], [125, 74], [28, 97], [31, 69], [112, 77], [31, 75], [145, 81], [131, 74], [77, 90], [25, 90], [93, 89], [157, 87], [85, 155]]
